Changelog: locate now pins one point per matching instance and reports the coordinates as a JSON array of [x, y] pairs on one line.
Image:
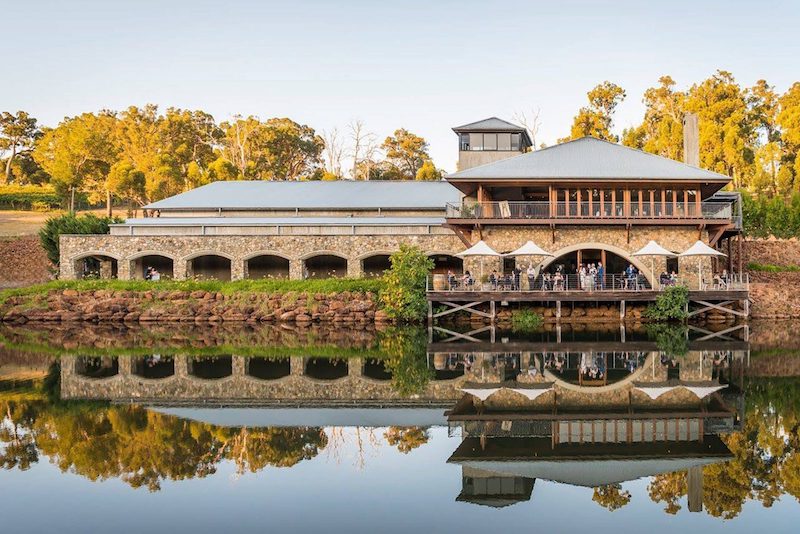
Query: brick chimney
[[691, 140]]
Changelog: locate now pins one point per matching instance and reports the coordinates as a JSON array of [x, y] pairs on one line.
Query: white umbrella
[[654, 391], [531, 393], [698, 250], [481, 393], [479, 249], [653, 249], [704, 389], [529, 249]]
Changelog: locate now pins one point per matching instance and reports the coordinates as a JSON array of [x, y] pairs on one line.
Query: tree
[[334, 153], [292, 151], [611, 496], [405, 154], [788, 120], [596, 119], [661, 132], [17, 135], [70, 224], [78, 154], [363, 151], [127, 182], [428, 172], [404, 294], [406, 438], [531, 121]]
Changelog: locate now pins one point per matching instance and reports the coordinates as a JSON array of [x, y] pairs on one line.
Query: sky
[[421, 65]]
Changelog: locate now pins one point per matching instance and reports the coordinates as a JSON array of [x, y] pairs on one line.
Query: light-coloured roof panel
[[492, 124], [587, 158], [282, 221], [341, 194]]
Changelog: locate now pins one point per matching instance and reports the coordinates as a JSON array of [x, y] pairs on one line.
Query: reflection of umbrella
[[532, 392], [698, 250], [479, 249], [703, 389], [481, 393], [700, 389], [653, 249], [654, 391]]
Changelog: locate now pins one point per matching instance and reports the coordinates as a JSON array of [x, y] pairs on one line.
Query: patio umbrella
[[699, 250], [481, 393], [532, 391], [703, 389], [653, 249], [654, 390], [480, 249], [528, 249]]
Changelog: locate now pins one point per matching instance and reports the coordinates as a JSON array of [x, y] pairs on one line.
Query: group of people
[[151, 273]]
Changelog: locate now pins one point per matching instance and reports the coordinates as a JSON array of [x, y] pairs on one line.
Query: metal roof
[[341, 194], [282, 221], [587, 158], [492, 124]]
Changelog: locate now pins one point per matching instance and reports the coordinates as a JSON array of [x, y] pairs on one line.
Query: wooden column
[[626, 202], [663, 203], [652, 204], [685, 202], [591, 206], [580, 258], [674, 203], [578, 200], [613, 202], [641, 202], [602, 203], [698, 204], [566, 202], [552, 202]]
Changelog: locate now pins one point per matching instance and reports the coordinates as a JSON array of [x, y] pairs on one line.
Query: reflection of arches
[[325, 368], [266, 266], [97, 366], [154, 367], [161, 262], [634, 376], [447, 366], [375, 265], [623, 254], [268, 368], [96, 264], [211, 367], [325, 265], [446, 262], [376, 369], [209, 266]]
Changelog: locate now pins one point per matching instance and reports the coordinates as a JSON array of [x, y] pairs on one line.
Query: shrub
[[671, 339], [71, 224], [403, 295], [406, 351], [670, 305], [525, 321], [773, 268]]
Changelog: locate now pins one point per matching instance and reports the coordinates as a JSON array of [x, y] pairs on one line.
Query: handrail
[[594, 210], [576, 282]]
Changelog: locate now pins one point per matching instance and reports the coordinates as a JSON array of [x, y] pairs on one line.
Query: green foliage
[[671, 339], [406, 353], [28, 197], [670, 305], [525, 321], [596, 119], [773, 268], [777, 216], [406, 154], [71, 224], [403, 295], [428, 172]]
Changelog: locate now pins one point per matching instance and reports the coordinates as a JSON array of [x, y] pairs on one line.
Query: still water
[[282, 429]]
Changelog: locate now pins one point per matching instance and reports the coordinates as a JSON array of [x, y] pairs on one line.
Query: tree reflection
[[406, 439], [611, 496]]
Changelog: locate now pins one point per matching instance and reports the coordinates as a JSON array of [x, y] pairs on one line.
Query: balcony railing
[[584, 210]]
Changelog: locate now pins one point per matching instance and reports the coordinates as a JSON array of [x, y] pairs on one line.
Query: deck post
[[746, 307], [430, 313], [492, 308], [622, 311], [558, 310]]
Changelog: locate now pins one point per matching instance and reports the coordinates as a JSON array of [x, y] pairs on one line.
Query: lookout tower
[[488, 141]]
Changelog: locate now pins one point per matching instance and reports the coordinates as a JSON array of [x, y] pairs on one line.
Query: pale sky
[[423, 65]]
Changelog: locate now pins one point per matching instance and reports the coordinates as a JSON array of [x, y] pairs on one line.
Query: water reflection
[[711, 424]]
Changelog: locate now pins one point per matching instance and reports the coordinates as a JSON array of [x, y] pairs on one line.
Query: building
[[585, 201]]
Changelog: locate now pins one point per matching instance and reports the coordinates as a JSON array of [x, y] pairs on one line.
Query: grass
[[19, 223], [325, 286], [767, 268]]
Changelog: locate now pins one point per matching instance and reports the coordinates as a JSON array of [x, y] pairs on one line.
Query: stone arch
[[97, 367], [267, 264], [272, 369], [374, 263], [622, 253], [625, 382], [163, 262], [324, 264], [211, 367], [326, 369], [96, 263], [209, 264], [154, 367]]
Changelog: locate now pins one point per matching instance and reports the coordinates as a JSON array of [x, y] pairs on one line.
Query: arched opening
[[154, 366], [594, 368], [211, 367], [97, 366], [325, 266], [614, 266], [442, 263], [376, 369], [266, 266], [325, 368], [374, 266], [268, 368], [210, 267], [96, 266], [163, 265], [447, 366]]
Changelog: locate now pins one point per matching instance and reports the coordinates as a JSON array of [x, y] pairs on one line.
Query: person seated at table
[[673, 278], [451, 280], [721, 279], [467, 281], [663, 278]]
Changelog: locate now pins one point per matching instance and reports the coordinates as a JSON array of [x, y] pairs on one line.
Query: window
[[490, 141], [504, 141], [464, 141], [515, 141], [475, 141]]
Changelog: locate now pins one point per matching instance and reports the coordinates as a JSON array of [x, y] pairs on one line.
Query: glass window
[[504, 141], [515, 139], [464, 141], [490, 141], [475, 141]]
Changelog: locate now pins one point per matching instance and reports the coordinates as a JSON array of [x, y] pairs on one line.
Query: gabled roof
[[492, 124], [587, 158], [342, 194]]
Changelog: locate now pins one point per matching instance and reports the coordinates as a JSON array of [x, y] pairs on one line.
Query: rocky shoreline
[[107, 306]]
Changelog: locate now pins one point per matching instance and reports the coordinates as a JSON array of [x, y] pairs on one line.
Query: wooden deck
[[578, 296]]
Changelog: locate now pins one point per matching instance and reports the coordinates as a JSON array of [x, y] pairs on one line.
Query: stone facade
[[239, 248]]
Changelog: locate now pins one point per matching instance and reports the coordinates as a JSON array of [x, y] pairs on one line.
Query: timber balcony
[[645, 213]]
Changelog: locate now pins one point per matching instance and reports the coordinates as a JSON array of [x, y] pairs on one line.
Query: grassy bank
[[326, 286]]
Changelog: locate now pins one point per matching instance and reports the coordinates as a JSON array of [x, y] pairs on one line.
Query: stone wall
[[296, 248], [781, 252]]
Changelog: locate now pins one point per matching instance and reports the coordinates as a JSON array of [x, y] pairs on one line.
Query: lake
[[269, 428]]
